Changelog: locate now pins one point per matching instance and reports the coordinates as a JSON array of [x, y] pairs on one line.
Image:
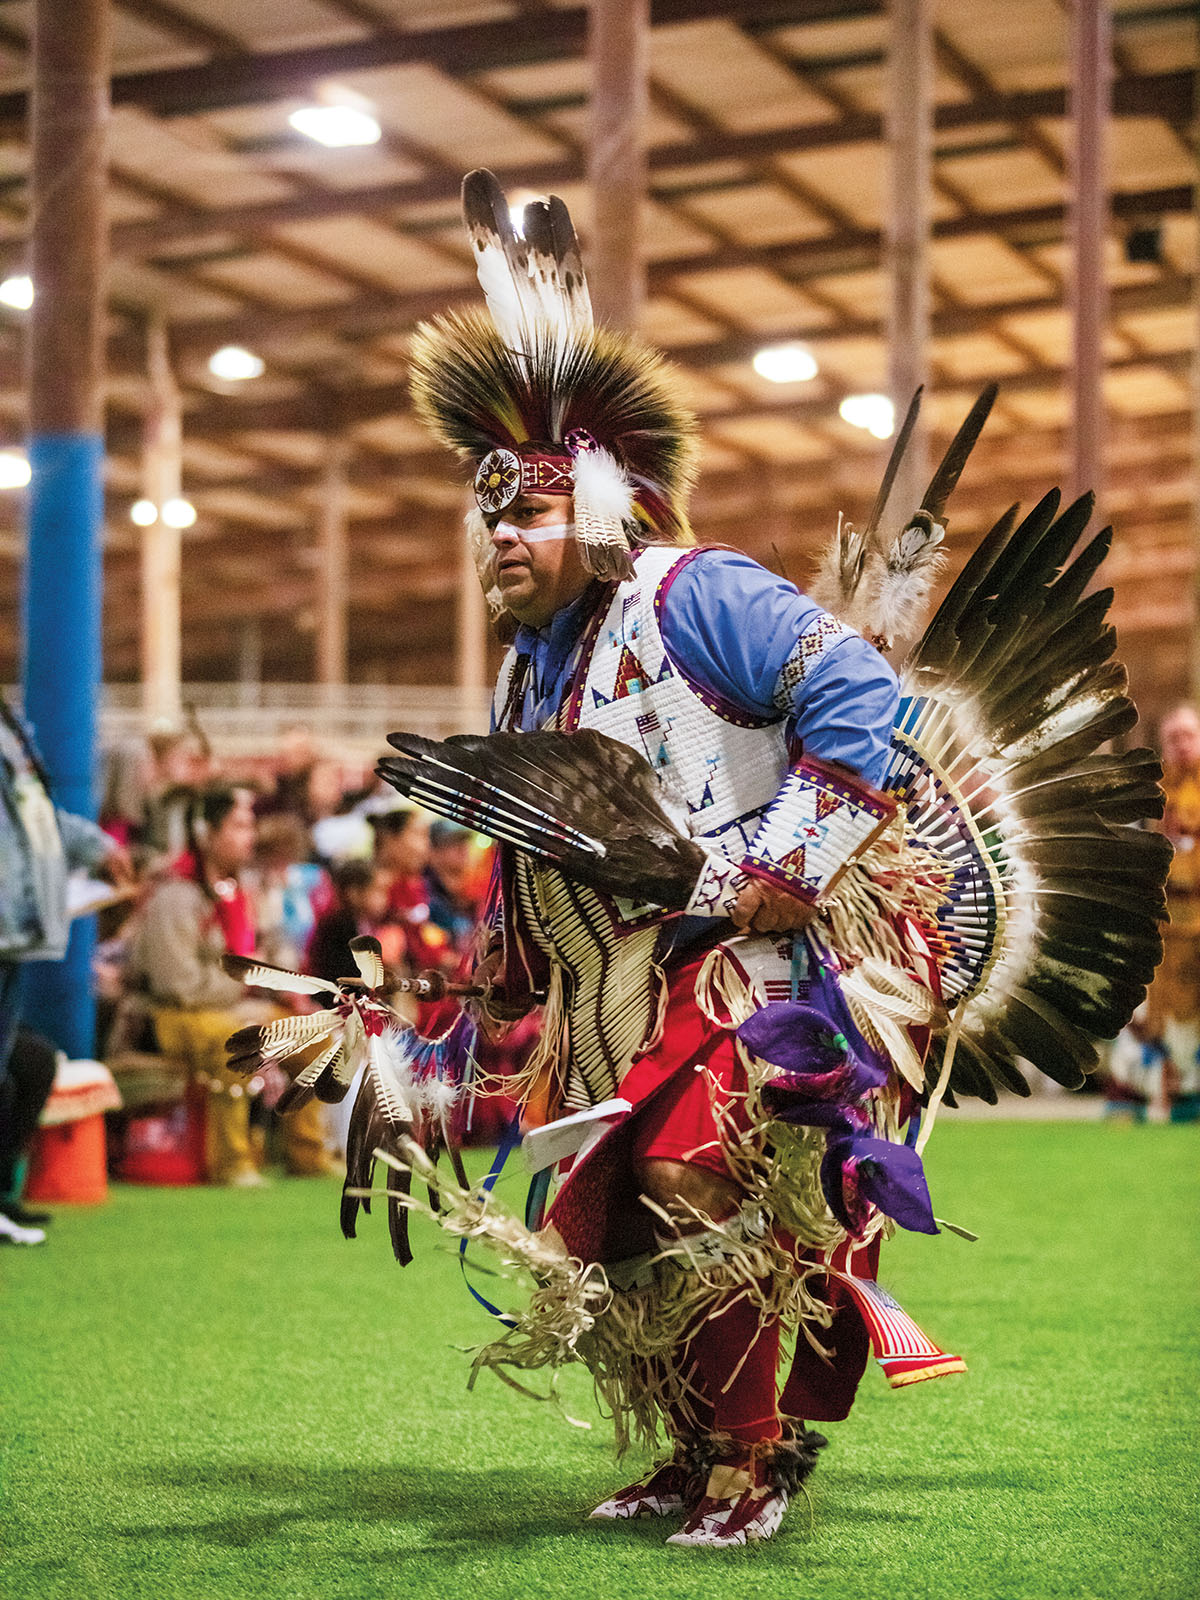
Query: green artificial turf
[[211, 1393]]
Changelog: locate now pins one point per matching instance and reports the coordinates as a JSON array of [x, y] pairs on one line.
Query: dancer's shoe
[[665, 1491], [748, 1491]]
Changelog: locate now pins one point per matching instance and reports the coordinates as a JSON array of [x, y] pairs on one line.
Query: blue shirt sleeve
[[752, 638]]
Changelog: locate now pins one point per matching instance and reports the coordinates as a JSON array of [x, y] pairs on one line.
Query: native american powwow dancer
[[774, 907]]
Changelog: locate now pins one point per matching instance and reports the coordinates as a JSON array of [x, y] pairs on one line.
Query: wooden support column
[[619, 53], [72, 46], [1087, 206], [333, 593], [1194, 676], [470, 637], [162, 480], [250, 660], [909, 129]]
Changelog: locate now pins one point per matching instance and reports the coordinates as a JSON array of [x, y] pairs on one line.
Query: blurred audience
[[179, 761], [402, 839], [192, 918], [288, 855], [1173, 1004], [360, 906], [294, 763], [290, 890], [1153, 1067], [452, 884]]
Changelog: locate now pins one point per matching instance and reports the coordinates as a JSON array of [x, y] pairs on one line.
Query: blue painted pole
[[68, 246], [61, 685]]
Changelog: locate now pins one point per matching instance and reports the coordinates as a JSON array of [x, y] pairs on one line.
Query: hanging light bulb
[[786, 363], [874, 412], [178, 513], [14, 469]]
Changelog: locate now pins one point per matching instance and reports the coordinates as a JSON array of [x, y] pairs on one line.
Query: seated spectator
[[290, 891], [402, 851], [361, 903], [193, 917], [450, 883]]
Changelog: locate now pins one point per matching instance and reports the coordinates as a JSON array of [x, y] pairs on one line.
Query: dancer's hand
[[496, 1014], [763, 907]]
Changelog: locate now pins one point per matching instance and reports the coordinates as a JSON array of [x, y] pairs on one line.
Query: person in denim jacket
[[40, 845]]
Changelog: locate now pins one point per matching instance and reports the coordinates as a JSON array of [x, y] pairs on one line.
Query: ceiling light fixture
[[337, 126], [874, 412], [178, 513], [144, 513], [235, 364], [17, 292], [14, 469], [786, 363]]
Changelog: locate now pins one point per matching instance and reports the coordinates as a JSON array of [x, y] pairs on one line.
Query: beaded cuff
[[820, 821]]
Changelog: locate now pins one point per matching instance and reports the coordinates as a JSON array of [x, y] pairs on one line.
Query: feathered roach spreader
[[1015, 860]]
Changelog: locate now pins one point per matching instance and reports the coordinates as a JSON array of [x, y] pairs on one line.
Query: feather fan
[[1052, 926], [409, 1084], [582, 800]]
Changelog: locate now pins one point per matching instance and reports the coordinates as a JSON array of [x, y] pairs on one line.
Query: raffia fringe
[[893, 877], [628, 1339]]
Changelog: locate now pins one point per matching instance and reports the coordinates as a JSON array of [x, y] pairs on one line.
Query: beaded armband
[[820, 821], [717, 888]]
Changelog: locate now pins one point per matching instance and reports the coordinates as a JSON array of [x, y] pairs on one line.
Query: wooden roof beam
[[253, 77], [1146, 96], [223, 417]]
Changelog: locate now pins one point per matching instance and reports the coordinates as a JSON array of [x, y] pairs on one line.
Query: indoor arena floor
[[211, 1393]]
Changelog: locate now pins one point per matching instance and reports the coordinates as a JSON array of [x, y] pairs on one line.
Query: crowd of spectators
[[288, 856]]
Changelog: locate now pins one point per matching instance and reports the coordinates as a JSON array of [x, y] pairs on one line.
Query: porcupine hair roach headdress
[[539, 400]]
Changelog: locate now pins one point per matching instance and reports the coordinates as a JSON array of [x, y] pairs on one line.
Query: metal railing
[[352, 720]]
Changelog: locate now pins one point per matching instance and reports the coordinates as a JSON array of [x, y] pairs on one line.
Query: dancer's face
[[539, 574]]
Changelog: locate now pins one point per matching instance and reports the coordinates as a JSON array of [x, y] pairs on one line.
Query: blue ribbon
[[508, 1143]]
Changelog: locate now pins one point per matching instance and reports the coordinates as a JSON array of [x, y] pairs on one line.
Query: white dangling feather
[[603, 485], [479, 543], [603, 511]]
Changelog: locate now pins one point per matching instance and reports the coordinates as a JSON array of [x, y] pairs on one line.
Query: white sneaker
[[662, 1492], [13, 1233], [749, 1518], [248, 1178]]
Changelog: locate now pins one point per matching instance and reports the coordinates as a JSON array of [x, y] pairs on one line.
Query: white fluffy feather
[[903, 579], [603, 486]]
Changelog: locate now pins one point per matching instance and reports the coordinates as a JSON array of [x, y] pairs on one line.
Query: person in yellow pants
[[193, 917]]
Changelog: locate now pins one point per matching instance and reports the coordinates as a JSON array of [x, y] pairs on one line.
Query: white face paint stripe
[[541, 535]]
